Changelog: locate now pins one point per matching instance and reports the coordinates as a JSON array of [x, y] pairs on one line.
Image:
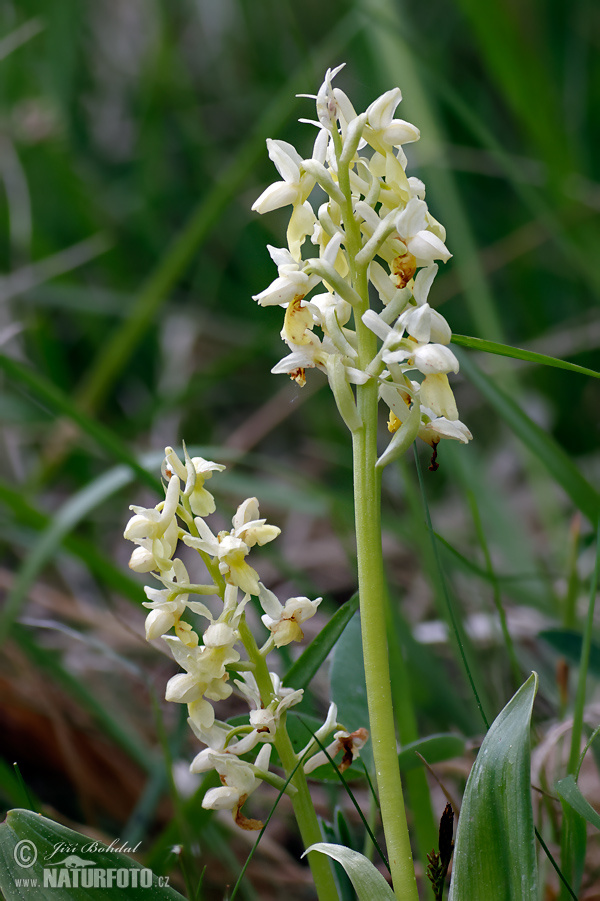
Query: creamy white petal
[[427, 247], [279, 194], [381, 111], [401, 132], [376, 325], [435, 358], [286, 158], [423, 282], [437, 394]]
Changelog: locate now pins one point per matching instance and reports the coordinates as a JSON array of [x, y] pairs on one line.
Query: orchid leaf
[[494, 858], [368, 882], [40, 859], [569, 791]]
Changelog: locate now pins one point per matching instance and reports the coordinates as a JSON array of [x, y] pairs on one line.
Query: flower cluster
[[211, 662], [373, 230]]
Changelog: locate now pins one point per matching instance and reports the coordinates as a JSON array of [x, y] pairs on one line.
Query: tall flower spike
[[400, 244]]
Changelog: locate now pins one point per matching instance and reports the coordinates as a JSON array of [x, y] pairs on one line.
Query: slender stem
[[304, 810], [371, 587], [371, 581]]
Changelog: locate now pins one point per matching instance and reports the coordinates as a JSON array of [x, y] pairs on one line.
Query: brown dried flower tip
[[403, 268]]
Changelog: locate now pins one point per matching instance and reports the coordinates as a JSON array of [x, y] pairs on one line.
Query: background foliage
[[131, 149]]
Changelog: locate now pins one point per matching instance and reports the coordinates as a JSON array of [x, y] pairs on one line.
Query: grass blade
[[71, 513], [518, 353], [583, 495]]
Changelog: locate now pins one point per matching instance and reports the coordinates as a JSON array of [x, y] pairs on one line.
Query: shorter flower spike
[[210, 658]]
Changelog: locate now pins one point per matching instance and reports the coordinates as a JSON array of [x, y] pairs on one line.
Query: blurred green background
[[132, 146]]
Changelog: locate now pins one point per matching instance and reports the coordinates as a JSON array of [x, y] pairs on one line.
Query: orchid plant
[[354, 282]]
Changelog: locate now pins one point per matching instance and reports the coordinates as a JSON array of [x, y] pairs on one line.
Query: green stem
[[371, 581], [304, 810], [371, 586]]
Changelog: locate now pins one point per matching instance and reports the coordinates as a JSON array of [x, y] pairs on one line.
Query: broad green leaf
[[338, 834], [568, 790], [517, 353], [494, 857], [583, 495], [568, 642], [434, 748], [348, 686], [40, 859], [301, 672], [368, 882]]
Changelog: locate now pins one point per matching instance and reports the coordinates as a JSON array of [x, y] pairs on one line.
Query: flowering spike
[[211, 659], [400, 242]]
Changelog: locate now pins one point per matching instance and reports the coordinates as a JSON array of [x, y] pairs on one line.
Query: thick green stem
[[371, 582], [304, 810], [371, 586]]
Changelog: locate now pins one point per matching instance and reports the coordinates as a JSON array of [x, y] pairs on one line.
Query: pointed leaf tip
[[494, 857], [365, 877]]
